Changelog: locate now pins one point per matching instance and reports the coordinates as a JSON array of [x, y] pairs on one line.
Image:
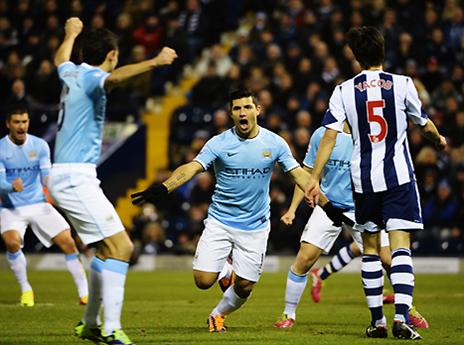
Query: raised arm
[[72, 29], [122, 74], [159, 191]]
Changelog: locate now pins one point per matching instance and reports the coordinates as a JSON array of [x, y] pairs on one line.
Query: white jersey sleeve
[[335, 116], [414, 105]]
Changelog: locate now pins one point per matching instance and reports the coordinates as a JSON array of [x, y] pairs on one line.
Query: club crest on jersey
[[385, 84], [32, 154], [267, 154]]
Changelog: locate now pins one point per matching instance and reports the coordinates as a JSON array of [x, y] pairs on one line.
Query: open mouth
[[243, 124]]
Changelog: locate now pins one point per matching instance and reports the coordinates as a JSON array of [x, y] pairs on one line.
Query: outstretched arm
[[72, 28], [122, 74], [182, 175], [159, 191]]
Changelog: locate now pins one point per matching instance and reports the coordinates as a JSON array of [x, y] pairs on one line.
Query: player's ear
[[258, 109], [112, 55]]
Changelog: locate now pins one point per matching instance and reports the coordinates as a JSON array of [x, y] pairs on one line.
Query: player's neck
[[376, 68], [253, 134]]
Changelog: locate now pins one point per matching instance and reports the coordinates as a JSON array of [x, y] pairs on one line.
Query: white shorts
[[75, 189], [321, 232], [218, 240], [43, 219]]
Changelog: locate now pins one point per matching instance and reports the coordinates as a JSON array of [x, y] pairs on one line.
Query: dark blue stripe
[[364, 131], [424, 114], [325, 274], [328, 118], [332, 267], [403, 288], [376, 313], [408, 160], [401, 251], [373, 291], [370, 258], [401, 269], [371, 275], [402, 309], [389, 113]]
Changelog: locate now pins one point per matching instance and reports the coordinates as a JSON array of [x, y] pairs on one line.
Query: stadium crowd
[[290, 53]]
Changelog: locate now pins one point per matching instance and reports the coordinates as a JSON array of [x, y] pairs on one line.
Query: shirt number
[[371, 117]]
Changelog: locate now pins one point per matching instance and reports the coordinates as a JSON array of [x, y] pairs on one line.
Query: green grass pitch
[[166, 308]]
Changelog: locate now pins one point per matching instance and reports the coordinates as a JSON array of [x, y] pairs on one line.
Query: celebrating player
[[73, 179], [238, 218], [376, 105], [24, 168]]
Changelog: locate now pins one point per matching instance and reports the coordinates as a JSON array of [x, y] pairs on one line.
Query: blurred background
[[290, 53]]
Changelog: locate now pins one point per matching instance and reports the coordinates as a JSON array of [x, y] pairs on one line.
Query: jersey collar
[[252, 139]]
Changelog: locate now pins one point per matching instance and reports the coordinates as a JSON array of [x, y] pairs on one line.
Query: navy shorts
[[394, 209]]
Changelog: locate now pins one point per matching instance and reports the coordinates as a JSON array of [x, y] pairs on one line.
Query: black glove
[[155, 194], [336, 215]]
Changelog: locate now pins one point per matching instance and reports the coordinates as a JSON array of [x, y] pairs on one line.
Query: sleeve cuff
[[205, 167]]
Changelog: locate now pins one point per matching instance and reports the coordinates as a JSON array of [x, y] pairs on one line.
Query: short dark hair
[[241, 93], [16, 109], [368, 46], [96, 44]]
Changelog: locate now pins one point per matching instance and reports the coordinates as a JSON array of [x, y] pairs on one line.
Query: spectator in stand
[[457, 132], [43, 84], [443, 209], [149, 34], [193, 21]]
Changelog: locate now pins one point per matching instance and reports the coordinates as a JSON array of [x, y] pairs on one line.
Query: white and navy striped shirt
[[376, 105]]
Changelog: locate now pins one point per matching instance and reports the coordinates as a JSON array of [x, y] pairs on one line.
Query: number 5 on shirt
[[371, 117]]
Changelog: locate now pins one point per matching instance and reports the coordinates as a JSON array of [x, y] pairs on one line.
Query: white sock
[[229, 303], [76, 269], [114, 277], [226, 271], [92, 311], [295, 286], [18, 265]]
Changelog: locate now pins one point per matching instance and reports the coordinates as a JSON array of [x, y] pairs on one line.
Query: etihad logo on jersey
[[338, 164], [248, 172], [22, 170], [267, 154], [384, 84]]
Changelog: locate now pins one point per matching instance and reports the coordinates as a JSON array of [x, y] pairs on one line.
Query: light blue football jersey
[[82, 115], [243, 171], [30, 162], [336, 182]]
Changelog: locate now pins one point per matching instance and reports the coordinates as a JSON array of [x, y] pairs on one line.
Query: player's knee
[[68, 246], [204, 280], [243, 287], [304, 261], [203, 283], [12, 246]]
